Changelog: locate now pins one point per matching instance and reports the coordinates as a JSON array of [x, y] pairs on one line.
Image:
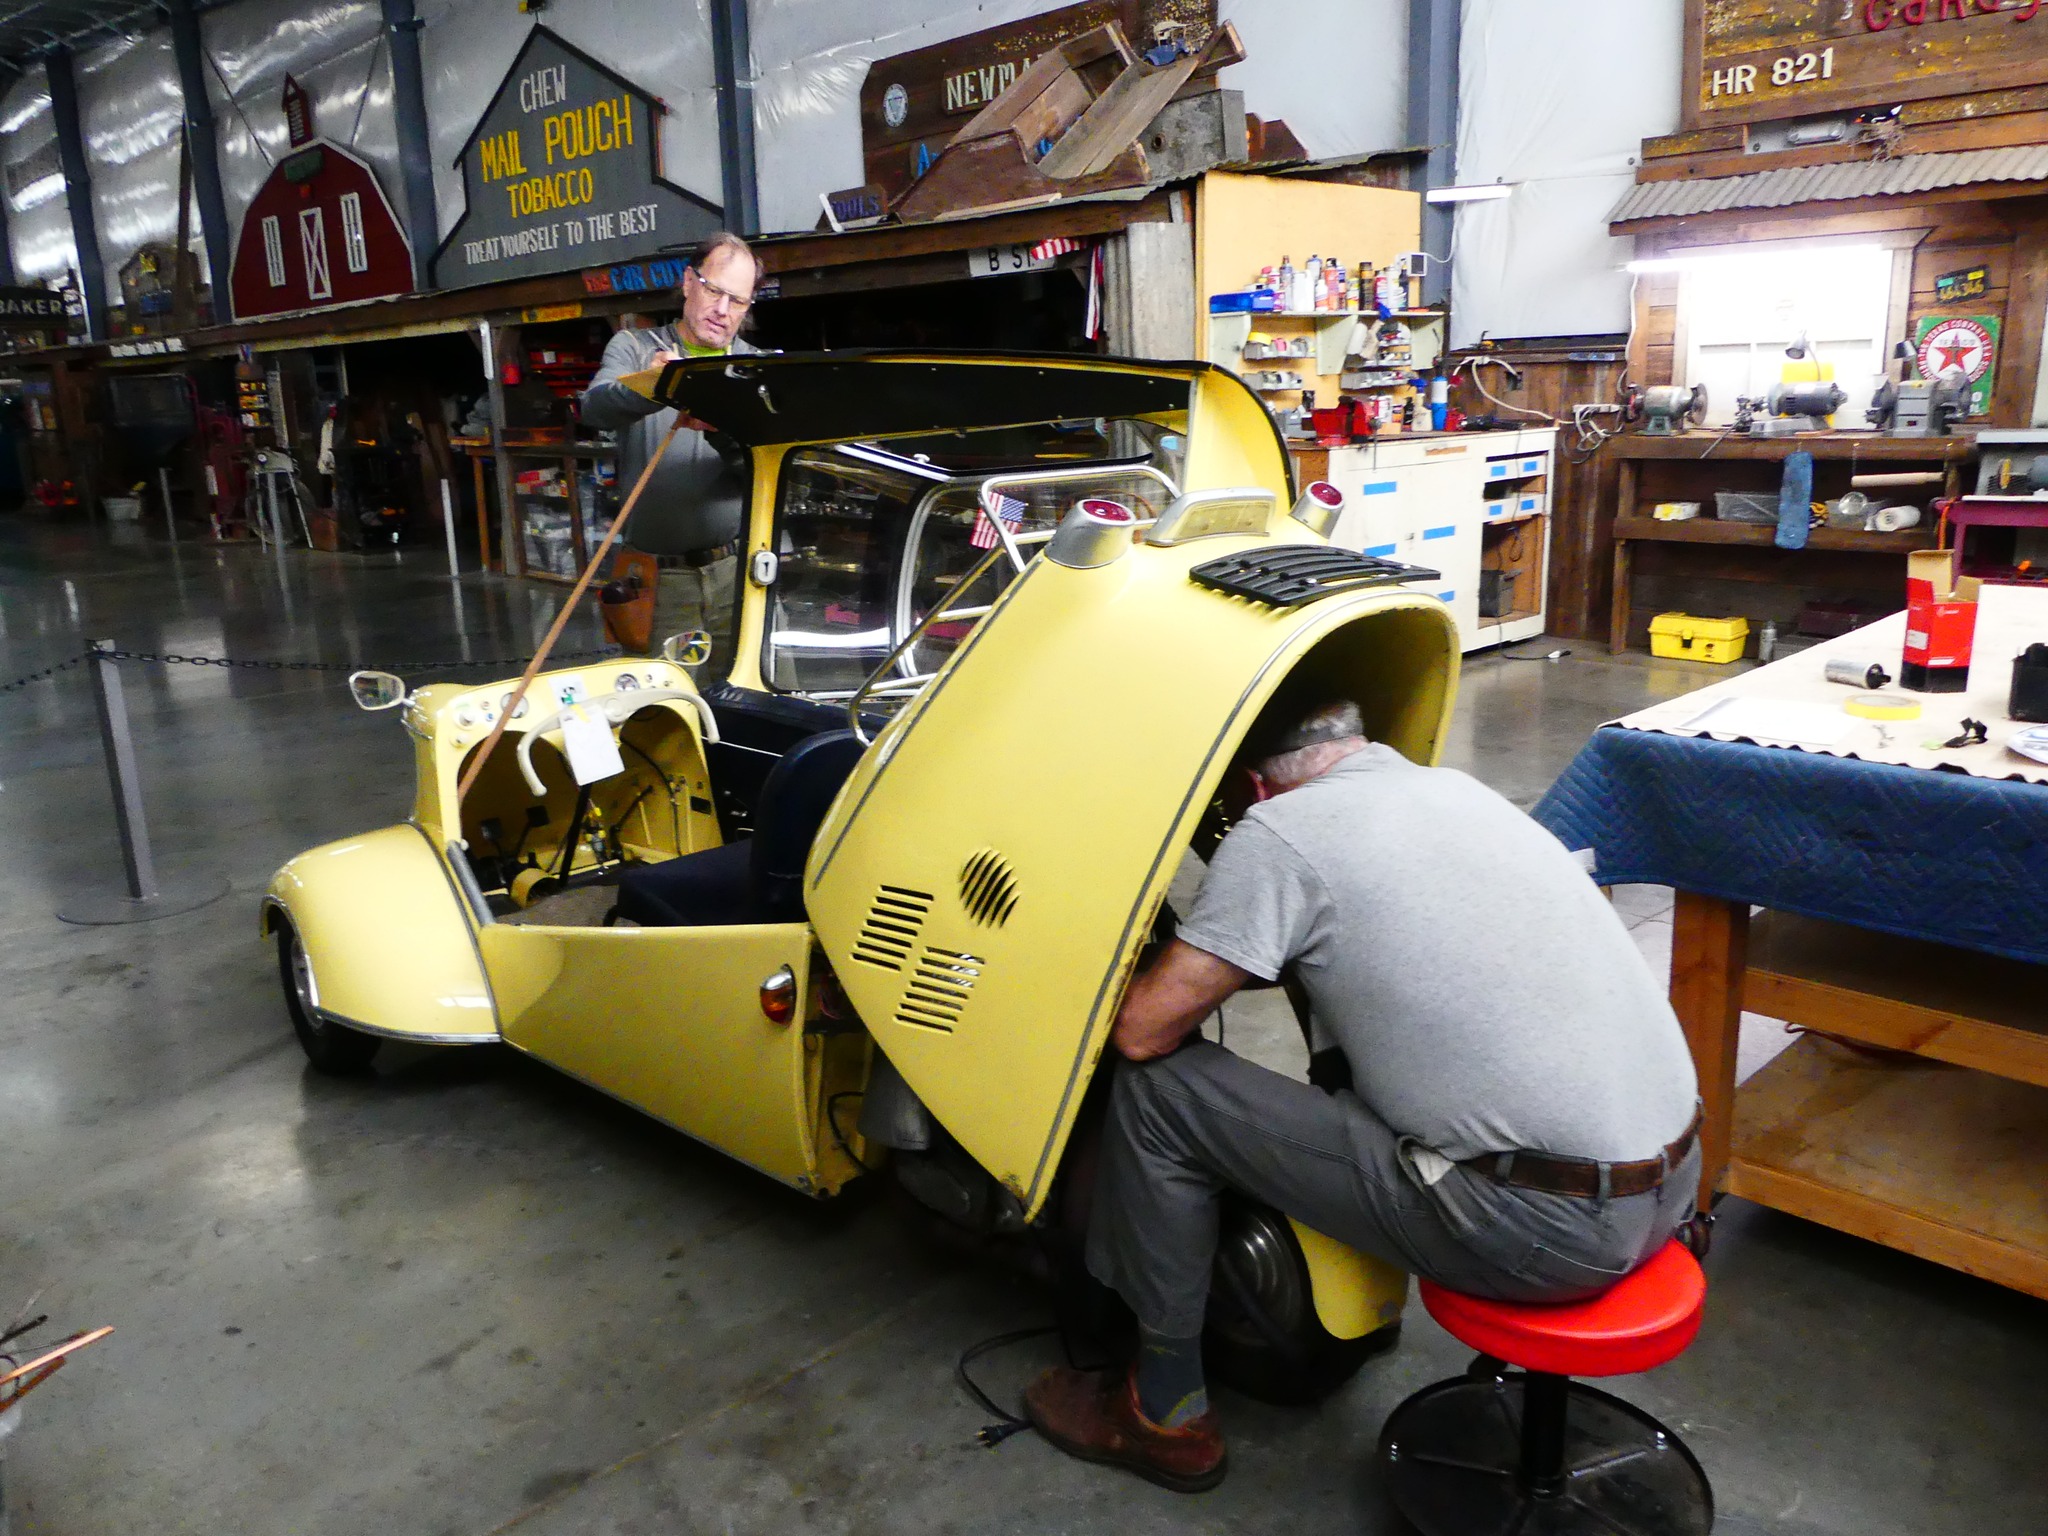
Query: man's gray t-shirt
[[1481, 987]]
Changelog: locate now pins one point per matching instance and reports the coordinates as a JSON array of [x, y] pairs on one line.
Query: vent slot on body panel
[[988, 888], [890, 932], [939, 989]]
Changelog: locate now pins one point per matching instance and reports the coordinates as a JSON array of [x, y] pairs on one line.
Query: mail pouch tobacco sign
[[563, 172]]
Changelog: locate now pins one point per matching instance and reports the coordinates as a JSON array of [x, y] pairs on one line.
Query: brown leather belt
[[699, 558], [1582, 1176]]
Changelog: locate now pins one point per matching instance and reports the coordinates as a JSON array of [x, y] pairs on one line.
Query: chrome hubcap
[[1260, 1256]]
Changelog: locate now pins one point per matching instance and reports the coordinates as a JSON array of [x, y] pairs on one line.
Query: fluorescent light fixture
[[1766, 251], [1472, 194]]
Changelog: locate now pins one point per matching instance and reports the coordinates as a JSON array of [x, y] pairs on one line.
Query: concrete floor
[[469, 1295]]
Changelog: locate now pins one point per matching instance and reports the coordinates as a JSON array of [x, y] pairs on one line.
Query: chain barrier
[[173, 658]]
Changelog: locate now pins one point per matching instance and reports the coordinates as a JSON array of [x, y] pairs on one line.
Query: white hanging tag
[[592, 752]]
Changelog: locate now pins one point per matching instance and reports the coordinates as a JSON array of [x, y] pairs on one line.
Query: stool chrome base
[[1454, 1456]]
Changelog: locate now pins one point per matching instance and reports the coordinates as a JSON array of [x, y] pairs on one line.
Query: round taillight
[[1326, 493], [778, 996], [1104, 510]]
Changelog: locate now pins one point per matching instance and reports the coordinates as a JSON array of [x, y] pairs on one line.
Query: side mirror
[[377, 690], [691, 649]]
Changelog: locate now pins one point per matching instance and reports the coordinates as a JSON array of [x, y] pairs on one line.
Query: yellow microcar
[[865, 887]]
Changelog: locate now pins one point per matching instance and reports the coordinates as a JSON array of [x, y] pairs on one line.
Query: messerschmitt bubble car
[[870, 898]]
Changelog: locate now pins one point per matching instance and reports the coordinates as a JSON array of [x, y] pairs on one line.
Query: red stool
[[1537, 1454]]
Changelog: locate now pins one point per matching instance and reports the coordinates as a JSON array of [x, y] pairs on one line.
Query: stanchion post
[[126, 783], [448, 522], [163, 483]]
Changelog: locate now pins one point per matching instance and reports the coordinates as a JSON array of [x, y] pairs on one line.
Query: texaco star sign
[[1956, 344]]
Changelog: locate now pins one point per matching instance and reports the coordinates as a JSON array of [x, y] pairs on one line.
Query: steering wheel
[[614, 709]]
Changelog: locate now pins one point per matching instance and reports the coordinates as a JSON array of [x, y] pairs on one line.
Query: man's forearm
[[609, 405], [1168, 1002]]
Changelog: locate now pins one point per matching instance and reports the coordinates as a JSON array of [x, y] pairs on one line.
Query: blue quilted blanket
[[1925, 855]]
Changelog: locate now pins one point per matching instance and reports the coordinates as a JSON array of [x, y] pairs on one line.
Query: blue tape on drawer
[[1447, 597], [1440, 533], [1385, 550], [1379, 487]]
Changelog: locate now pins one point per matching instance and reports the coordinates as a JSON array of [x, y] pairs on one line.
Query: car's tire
[[1263, 1336], [330, 1047]]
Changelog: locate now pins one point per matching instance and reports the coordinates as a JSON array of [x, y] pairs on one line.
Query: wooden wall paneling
[[2026, 298]]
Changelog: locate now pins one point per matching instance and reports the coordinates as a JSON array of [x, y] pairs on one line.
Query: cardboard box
[[1941, 623]]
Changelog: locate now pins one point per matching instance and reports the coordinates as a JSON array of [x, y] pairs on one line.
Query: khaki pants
[[697, 597]]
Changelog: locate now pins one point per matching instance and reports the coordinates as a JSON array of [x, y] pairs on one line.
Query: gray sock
[[1171, 1391]]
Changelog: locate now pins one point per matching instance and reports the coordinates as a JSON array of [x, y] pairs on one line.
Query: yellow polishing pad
[[1882, 706]]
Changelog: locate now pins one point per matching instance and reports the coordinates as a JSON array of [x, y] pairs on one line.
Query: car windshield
[[870, 536]]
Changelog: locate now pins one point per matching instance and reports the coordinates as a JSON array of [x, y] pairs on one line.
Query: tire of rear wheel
[[1315, 1362], [331, 1048]]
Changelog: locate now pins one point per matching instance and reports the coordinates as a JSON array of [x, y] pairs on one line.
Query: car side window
[[840, 529]]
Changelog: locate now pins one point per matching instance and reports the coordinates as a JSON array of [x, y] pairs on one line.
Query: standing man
[[1524, 1119], [691, 514]]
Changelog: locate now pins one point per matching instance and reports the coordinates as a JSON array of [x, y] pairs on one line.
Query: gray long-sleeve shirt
[[693, 500]]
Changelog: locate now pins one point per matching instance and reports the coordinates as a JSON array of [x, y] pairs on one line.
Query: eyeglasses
[[721, 295]]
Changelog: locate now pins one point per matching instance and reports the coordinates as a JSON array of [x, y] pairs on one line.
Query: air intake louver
[[890, 932], [939, 988], [988, 888]]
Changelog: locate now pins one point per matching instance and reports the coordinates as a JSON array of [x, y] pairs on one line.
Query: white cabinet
[[1472, 506]]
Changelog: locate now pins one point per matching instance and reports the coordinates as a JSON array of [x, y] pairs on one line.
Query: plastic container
[[1689, 637], [1746, 507], [123, 509]]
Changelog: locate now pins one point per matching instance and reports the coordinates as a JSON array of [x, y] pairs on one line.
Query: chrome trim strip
[[345, 1022], [447, 863]]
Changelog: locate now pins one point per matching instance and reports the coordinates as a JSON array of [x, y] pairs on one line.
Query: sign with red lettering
[[563, 170], [1756, 60], [1949, 345], [317, 233]]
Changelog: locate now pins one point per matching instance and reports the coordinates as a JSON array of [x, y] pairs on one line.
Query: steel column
[[85, 233], [732, 54], [415, 149], [1433, 34], [6, 248], [204, 140]]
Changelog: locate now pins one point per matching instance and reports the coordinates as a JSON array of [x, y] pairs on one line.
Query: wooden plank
[[1709, 952], [1711, 530], [2019, 346], [1954, 1005], [1115, 118], [1822, 445], [1886, 50], [1704, 141], [1618, 612], [1930, 1159]]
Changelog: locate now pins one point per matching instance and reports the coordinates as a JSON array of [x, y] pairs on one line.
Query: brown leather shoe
[[1095, 1415]]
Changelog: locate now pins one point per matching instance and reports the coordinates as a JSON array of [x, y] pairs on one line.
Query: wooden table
[[1691, 466], [1928, 1133]]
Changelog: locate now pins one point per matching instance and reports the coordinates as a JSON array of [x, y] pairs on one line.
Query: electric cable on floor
[[1006, 1423]]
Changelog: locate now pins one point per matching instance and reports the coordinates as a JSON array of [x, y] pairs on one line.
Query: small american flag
[[1008, 508]]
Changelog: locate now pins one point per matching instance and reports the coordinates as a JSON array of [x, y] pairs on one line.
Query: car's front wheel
[[1263, 1335], [330, 1047]]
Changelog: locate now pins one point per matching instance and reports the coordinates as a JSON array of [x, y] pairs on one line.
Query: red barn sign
[[318, 233]]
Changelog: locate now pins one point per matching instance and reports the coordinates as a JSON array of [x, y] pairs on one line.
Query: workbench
[[1903, 927], [1692, 466]]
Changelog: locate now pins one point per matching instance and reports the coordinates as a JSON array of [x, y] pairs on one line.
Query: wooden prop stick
[[540, 657], [24, 1379]]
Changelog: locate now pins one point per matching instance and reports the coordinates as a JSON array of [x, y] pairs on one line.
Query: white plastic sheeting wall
[[38, 219], [130, 109], [1338, 74], [662, 46], [1557, 102], [810, 57], [334, 49]]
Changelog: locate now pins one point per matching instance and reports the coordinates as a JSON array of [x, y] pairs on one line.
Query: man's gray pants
[[1186, 1127]]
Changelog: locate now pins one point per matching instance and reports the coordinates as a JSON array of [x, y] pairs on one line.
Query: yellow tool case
[[1689, 637]]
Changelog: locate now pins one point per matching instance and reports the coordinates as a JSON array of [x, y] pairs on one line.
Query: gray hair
[[1339, 720]]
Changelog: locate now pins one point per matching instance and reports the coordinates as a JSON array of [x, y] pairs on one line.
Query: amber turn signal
[[778, 996]]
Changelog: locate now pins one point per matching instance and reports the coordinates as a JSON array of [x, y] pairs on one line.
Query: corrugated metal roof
[[1832, 183]]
